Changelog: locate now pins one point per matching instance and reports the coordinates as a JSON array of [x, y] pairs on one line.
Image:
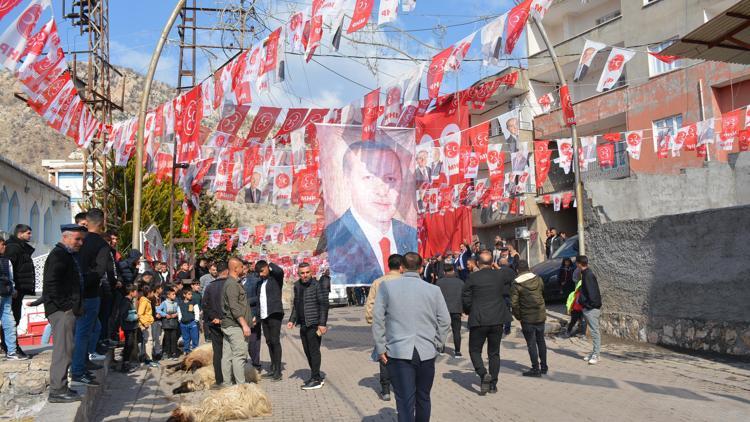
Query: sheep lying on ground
[[242, 401], [204, 378], [201, 356]]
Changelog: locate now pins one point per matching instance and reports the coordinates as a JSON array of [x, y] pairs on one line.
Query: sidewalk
[[632, 382]]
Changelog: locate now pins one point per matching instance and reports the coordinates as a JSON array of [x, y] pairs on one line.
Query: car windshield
[[569, 249]]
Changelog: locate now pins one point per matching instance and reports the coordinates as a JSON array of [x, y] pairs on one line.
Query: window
[[14, 212], [656, 66], [34, 219], [666, 125], [4, 203], [48, 227], [608, 17]]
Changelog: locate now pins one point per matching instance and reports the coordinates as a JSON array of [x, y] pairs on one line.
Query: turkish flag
[[436, 72], [517, 18], [361, 15], [567, 106], [606, 154], [370, 115], [262, 124]]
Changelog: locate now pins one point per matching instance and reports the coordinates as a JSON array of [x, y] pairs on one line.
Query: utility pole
[[573, 135]]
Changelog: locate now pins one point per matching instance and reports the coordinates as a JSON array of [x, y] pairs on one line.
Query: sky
[[135, 26]]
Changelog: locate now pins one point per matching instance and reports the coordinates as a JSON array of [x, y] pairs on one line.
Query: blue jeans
[[189, 334], [47, 334], [87, 333], [9, 323], [592, 319], [412, 381]]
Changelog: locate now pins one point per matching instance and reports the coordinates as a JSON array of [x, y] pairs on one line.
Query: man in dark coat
[[310, 312], [252, 283], [527, 299], [452, 288], [213, 312], [484, 300], [18, 251], [591, 300], [63, 284], [271, 311]]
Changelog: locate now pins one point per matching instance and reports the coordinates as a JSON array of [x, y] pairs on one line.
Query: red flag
[[260, 233], [306, 187], [731, 123], [370, 115], [436, 71], [295, 117], [567, 197], [744, 140], [567, 107], [6, 6], [664, 58], [316, 34], [263, 123], [187, 208], [231, 123], [190, 115], [542, 156], [612, 137], [289, 230], [606, 154], [517, 18], [316, 115], [479, 137], [691, 138], [361, 15]]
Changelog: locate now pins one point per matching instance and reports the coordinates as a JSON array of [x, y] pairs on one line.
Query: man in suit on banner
[[361, 240]]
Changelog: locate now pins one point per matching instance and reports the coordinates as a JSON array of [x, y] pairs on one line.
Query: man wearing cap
[[63, 284]]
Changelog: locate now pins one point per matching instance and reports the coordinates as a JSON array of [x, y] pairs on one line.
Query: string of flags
[[278, 233]]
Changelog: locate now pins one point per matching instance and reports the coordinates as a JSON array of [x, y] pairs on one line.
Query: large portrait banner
[[369, 191]]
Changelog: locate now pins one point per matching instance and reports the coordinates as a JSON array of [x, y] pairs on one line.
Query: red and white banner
[[361, 15], [294, 119], [392, 110], [232, 119], [479, 137], [491, 38], [408, 5], [567, 106], [517, 18], [590, 48], [190, 116], [744, 140], [451, 146], [13, 41], [606, 154], [295, 28], [472, 166], [436, 72], [282, 185], [731, 123], [269, 61], [459, 52], [614, 67], [263, 122], [542, 156], [539, 8], [634, 140], [565, 154], [370, 114], [546, 102], [6, 6], [495, 159], [388, 11]]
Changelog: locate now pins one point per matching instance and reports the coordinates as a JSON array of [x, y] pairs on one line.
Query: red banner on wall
[[567, 106]]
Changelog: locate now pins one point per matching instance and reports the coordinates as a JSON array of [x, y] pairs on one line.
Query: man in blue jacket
[[252, 282]]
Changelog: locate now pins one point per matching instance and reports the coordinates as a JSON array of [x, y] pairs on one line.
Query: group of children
[[151, 316]]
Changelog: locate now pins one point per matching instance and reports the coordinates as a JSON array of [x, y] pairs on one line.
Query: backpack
[[6, 285]]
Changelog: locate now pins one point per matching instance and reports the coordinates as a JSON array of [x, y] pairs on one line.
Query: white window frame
[[657, 67], [669, 123]]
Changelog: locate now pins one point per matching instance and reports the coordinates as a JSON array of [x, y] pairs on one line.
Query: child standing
[[145, 320], [170, 324], [156, 330], [189, 314], [129, 318]]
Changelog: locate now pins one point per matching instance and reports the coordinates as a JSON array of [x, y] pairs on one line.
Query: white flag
[[451, 147], [614, 67], [459, 52], [590, 48], [16, 36], [539, 8], [634, 140], [546, 102], [565, 151], [295, 29], [388, 11], [492, 37]]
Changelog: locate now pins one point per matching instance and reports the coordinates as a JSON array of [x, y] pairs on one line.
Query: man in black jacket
[[452, 287], [591, 300], [18, 251], [63, 283], [213, 312], [271, 311], [310, 312], [484, 300], [252, 282], [98, 269]]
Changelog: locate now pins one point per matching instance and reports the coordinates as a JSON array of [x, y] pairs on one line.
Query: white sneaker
[[96, 356], [587, 357], [594, 359]]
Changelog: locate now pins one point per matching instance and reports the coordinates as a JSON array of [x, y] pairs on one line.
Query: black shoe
[[276, 376], [91, 366], [84, 380], [217, 387], [493, 388], [458, 355], [66, 397], [485, 386], [312, 385], [544, 370], [16, 356], [533, 372], [20, 353]]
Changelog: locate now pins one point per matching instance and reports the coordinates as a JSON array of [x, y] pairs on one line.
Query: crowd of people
[[92, 296]]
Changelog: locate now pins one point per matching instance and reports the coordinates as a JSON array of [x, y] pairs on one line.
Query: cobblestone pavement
[[631, 382]]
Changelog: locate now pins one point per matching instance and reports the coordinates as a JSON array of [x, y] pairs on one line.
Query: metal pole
[[702, 111], [573, 135], [137, 189]]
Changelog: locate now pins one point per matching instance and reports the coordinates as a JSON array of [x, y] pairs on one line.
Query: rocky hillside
[[26, 139]]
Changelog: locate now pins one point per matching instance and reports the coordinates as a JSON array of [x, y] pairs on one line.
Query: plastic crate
[[30, 340]]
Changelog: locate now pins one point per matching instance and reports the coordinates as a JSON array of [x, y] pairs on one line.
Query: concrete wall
[[716, 185]]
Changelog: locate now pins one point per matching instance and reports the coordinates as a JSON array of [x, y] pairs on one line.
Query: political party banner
[[590, 48], [509, 124], [153, 244], [634, 140], [614, 67], [491, 38], [565, 154], [370, 195]]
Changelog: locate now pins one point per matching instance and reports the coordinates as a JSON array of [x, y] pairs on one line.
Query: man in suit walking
[[484, 301], [410, 323], [462, 262]]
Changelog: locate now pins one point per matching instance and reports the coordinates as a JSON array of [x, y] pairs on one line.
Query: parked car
[[549, 269], [337, 296]]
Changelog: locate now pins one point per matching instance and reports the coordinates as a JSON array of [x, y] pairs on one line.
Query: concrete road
[[633, 382]]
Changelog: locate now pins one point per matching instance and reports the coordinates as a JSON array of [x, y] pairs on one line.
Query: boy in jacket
[[170, 323], [527, 304], [310, 312], [591, 300], [145, 320], [188, 314], [129, 318]]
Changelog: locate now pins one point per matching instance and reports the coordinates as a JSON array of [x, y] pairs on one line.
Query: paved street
[[632, 382]]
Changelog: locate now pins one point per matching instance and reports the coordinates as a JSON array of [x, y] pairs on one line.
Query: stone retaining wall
[[23, 389]]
